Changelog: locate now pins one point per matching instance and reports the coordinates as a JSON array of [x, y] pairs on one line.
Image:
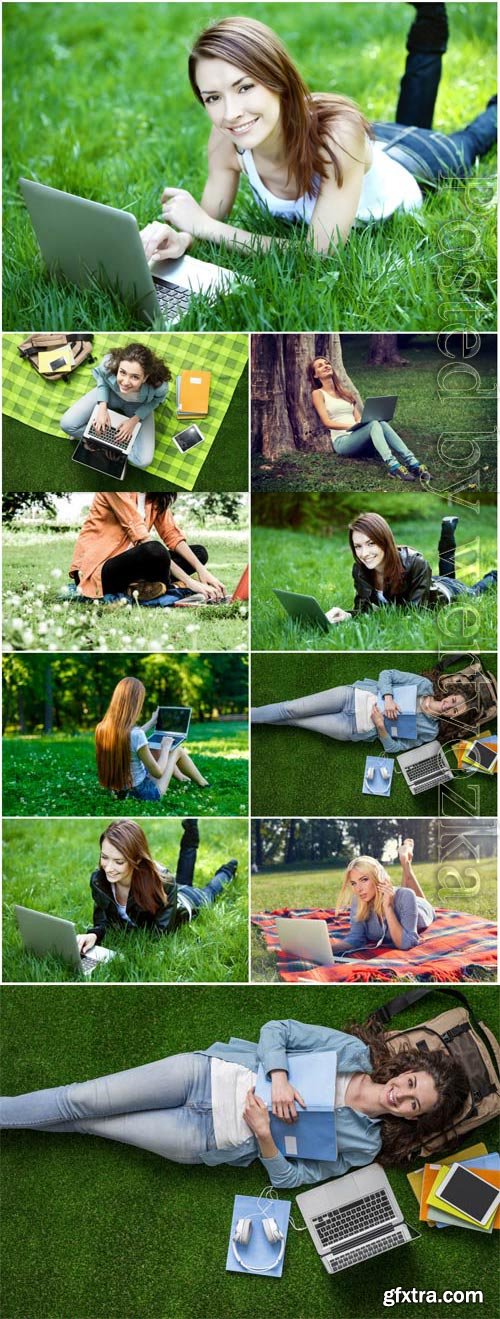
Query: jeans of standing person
[[449, 585], [164, 1107], [378, 435], [77, 417], [330, 712], [432, 156], [426, 44]]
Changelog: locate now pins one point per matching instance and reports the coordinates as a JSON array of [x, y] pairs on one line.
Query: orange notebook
[[431, 1170], [193, 393]]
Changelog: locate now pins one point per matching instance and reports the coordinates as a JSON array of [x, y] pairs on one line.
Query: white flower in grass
[[56, 572], [28, 636], [155, 644], [57, 609], [14, 600], [41, 587], [59, 632], [193, 627], [140, 641], [43, 629], [126, 640]]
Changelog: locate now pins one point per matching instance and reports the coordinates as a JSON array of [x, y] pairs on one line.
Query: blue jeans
[[378, 435], [77, 417], [426, 44], [205, 897], [330, 712], [432, 156], [146, 791], [164, 1107]]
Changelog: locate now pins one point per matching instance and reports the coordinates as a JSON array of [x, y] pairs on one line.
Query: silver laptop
[[425, 767], [354, 1218], [43, 934], [303, 608], [173, 721], [307, 939], [84, 240], [379, 408]]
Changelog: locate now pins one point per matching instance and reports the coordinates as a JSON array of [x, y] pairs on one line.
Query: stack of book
[[463, 1191], [192, 393]]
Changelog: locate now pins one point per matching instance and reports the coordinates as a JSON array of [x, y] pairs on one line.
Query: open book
[[313, 1135], [405, 725]]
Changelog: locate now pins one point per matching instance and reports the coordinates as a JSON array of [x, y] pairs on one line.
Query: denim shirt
[[388, 681], [412, 912], [149, 397], [358, 1136]]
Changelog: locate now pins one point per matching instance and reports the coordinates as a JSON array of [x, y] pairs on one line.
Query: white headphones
[[243, 1232]]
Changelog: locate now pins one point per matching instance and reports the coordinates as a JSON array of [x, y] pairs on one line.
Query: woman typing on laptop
[[380, 913], [337, 408], [132, 381], [200, 1108], [131, 891], [126, 763]]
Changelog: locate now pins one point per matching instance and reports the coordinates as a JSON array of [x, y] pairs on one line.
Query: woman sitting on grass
[[125, 762], [337, 408], [130, 380], [388, 574], [379, 913], [351, 713], [308, 157], [130, 891], [201, 1107], [116, 552]]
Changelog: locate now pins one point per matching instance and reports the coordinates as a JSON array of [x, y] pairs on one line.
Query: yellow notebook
[[416, 1178], [193, 393], [58, 359], [433, 1199]]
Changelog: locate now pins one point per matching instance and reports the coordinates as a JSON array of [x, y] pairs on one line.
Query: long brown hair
[[340, 389], [376, 527], [307, 121], [112, 735], [156, 371], [466, 724], [146, 888], [400, 1137]]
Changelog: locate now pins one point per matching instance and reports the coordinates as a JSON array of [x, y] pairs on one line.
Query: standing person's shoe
[[144, 591]]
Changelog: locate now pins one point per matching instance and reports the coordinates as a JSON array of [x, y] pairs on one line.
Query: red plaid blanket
[[456, 947]]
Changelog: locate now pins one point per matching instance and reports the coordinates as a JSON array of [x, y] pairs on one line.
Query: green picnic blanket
[[40, 403]]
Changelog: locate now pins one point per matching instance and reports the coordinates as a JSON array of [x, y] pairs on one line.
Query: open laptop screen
[[173, 719]]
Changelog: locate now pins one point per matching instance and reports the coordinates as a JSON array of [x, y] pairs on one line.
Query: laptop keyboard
[[108, 436], [426, 769], [358, 1216], [88, 963], [338, 1262], [173, 300]]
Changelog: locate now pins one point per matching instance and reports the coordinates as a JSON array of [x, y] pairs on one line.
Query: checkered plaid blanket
[[40, 403], [456, 947]]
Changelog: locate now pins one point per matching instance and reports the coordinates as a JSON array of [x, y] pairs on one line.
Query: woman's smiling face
[[409, 1095], [129, 376], [240, 107], [115, 866], [367, 551], [362, 885]]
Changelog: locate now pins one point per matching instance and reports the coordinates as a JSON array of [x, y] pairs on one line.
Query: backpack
[[485, 683], [81, 351], [470, 1042]]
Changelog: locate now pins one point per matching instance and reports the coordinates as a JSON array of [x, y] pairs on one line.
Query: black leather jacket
[[418, 586], [106, 913]]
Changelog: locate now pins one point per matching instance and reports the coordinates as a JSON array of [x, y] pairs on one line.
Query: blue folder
[[313, 1135], [259, 1253], [405, 725]]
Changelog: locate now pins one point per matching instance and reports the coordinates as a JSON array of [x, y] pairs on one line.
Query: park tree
[[283, 417], [384, 351], [16, 504]]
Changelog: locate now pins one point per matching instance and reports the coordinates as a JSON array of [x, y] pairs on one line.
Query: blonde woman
[[380, 913]]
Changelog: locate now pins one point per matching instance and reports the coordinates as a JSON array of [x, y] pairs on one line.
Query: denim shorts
[[145, 791]]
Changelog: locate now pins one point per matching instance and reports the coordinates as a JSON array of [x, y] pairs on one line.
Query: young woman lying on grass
[[201, 1107], [130, 891], [130, 380], [125, 762], [379, 913], [340, 414], [308, 157], [116, 553], [388, 574], [351, 713]]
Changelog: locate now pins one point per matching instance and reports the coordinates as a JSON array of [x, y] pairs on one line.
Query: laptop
[[104, 452], [173, 721], [425, 767], [43, 934], [379, 408], [306, 939], [353, 1218], [85, 240], [304, 608]]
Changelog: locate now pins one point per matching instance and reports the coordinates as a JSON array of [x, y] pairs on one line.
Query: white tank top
[[387, 187], [338, 409]]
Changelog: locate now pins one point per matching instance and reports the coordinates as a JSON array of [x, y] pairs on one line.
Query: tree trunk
[[20, 711], [283, 417], [290, 845], [384, 351], [258, 854], [48, 717]]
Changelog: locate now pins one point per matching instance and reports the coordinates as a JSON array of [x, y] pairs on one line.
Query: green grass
[[34, 616], [213, 948], [459, 410], [57, 775], [285, 886], [300, 773], [45, 461], [113, 1232], [321, 565], [143, 129]]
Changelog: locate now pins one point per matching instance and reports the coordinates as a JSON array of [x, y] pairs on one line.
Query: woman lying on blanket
[[201, 1107], [308, 157], [133, 381], [116, 551], [130, 891], [388, 574], [125, 762], [351, 713], [379, 913]]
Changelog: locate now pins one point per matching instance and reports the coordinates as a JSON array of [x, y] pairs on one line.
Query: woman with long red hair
[[337, 407], [125, 762]]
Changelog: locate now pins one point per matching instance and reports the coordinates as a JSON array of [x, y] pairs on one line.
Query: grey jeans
[[76, 418], [164, 1107], [330, 712], [378, 435]]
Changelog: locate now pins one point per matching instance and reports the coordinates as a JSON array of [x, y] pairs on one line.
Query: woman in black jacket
[[388, 574], [131, 891]]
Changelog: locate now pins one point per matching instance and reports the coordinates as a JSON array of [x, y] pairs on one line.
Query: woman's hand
[[406, 852], [180, 209], [208, 579], [210, 592], [387, 894], [256, 1116], [283, 1097], [125, 430], [390, 707], [377, 718], [337, 615], [86, 942], [102, 418], [161, 243]]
